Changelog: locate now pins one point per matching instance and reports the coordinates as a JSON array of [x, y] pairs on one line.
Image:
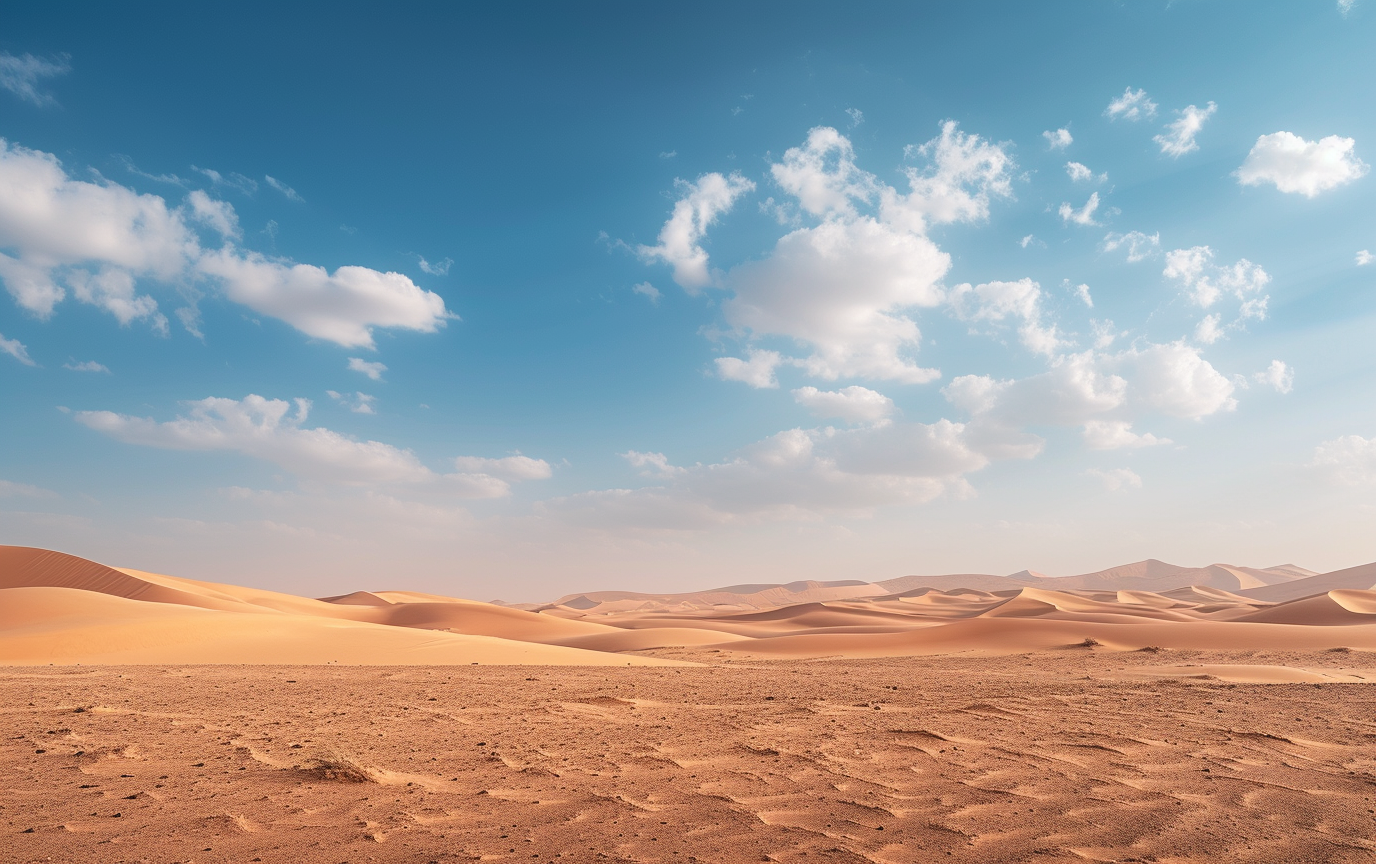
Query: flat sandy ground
[[1058, 756]]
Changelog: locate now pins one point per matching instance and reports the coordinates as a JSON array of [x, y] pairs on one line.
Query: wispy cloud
[[87, 366], [16, 349], [1178, 139], [1132, 105], [371, 369], [21, 75], [1058, 140], [438, 268], [286, 190]]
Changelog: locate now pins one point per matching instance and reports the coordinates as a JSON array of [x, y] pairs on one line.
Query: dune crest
[[58, 608]]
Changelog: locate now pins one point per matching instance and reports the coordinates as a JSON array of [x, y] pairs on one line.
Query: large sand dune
[[58, 608]]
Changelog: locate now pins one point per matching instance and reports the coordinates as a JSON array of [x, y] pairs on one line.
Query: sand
[[146, 717], [1057, 757]]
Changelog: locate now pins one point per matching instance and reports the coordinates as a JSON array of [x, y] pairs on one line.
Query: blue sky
[[510, 302]]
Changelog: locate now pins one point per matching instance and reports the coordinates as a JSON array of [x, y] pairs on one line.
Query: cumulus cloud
[[1079, 172], [797, 474], [1116, 479], [1057, 140], [50, 221], [342, 307], [273, 430], [21, 75], [1132, 105], [270, 430], [1303, 167], [1092, 388], [652, 464], [1349, 459], [513, 468], [1277, 375], [16, 349], [1207, 331], [757, 369], [844, 287], [359, 403], [87, 366], [996, 302], [218, 215], [1117, 435], [680, 240], [647, 290], [1178, 139], [1139, 246], [1206, 282], [371, 369], [286, 190], [1364, 257], [1083, 216], [103, 242], [852, 404]]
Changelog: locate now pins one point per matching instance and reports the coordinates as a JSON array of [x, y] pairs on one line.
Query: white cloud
[[852, 404], [1091, 388], [87, 366], [20, 75], [1058, 140], [797, 474], [50, 221], [233, 180], [16, 349], [1179, 137], [965, 172], [342, 307], [215, 214], [1277, 375], [438, 268], [1299, 166], [1346, 6], [286, 190], [1132, 105], [1364, 257], [838, 287], [1206, 282], [843, 287], [1207, 332], [99, 239], [372, 370], [668, 154], [1028, 240], [1139, 246], [856, 116], [514, 468], [680, 240], [1117, 479], [648, 290], [113, 290], [359, 403], [1350, 459], [1078, 172], [1083, 216], [652, 464], [1082, 291], [264, 429], [1117, 435], [997, 301], [757, 370]]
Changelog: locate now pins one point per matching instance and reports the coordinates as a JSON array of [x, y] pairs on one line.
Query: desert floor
[[1076, 755]]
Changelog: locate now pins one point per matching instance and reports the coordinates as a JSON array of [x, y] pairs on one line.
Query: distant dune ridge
[[59, 608]]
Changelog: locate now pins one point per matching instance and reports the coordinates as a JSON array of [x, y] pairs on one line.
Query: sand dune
[[58, 608]]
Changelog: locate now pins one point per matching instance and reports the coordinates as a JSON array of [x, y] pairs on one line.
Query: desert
[[151, 718]]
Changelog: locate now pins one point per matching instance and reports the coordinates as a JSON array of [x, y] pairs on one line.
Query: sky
[[520, 300]]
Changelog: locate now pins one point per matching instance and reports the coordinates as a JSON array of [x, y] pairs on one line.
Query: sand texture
[[1066, 756]]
